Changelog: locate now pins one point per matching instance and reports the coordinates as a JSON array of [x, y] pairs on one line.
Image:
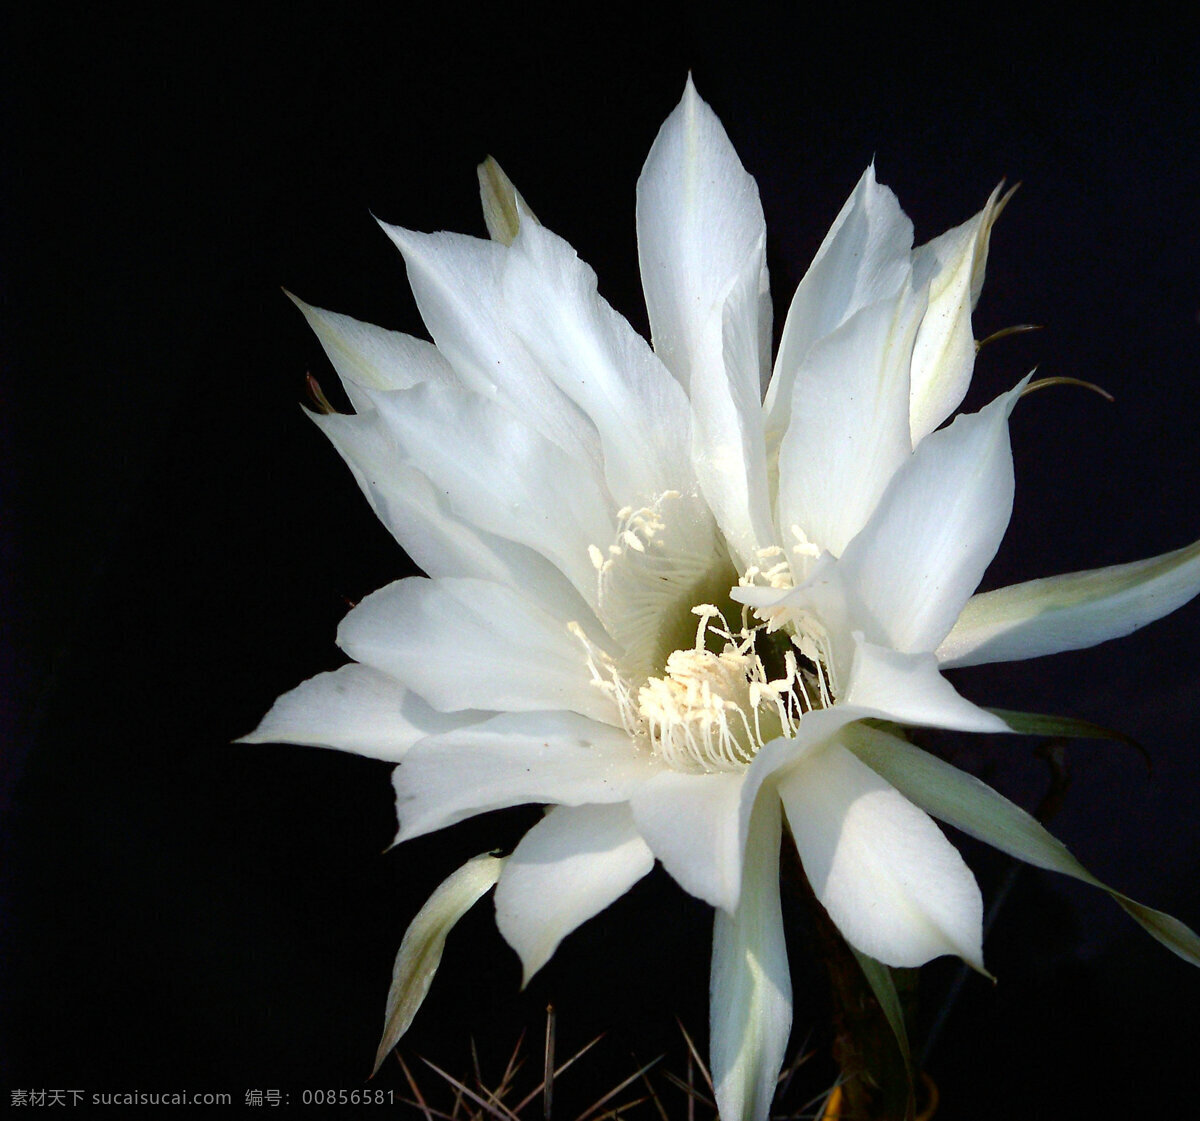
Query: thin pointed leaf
[[1066, 727], [421, 949], [961, 800], [879, 977]]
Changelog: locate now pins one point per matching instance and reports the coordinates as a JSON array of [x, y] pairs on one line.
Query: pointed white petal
[[896, 888], [456, 282], [599, 362], [864, 258], [751, 994], [503, 206], [849, 422], [370, 357], [355, 708], [514, 759], [974, 807], [934, 532], [697, 824], [699, 220], [944, 356], [693, 824], [728, 448], [910, 689], [418, 515], [1071, 612], [701, 239], [421, 949], [567, 868], [500, 474], [461, 643]]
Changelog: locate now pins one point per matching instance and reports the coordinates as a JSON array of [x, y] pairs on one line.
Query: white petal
[[849, 429], [418, 515], [751, 995], [697, 824], [462, 643], [974, 807], [944, 356], [511, 760], [909, 689], [370, 357], [1071, 612], [421, 949], [864, 258], [934, 532], [599, 362], [456, 282], [567, 868], [503, 476], [701, 239], [693, 824], [355, 708], [896, 888], [699, 220]]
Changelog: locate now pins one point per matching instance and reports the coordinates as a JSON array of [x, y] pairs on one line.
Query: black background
[[179, 542]]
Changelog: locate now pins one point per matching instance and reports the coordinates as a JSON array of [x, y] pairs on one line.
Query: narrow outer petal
[[355, 708], [944, 357], [369, 357], [1071, 612], [567, 868], [503, 206], [421, 949], [896, 888], [751, 994]]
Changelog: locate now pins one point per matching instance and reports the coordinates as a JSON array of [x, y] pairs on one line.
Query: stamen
[[713, 711]]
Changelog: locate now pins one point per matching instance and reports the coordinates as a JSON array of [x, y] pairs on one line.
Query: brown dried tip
[[1043, 383], [316, 396], [1004, 332]]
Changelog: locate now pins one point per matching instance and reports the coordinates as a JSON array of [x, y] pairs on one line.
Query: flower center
[[714, 709], [717, 702], [700, 692]]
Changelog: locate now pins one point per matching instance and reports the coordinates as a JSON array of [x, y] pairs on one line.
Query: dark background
[[179, 542]]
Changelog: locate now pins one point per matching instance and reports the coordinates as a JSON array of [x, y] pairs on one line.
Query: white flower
[[663, 603]]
